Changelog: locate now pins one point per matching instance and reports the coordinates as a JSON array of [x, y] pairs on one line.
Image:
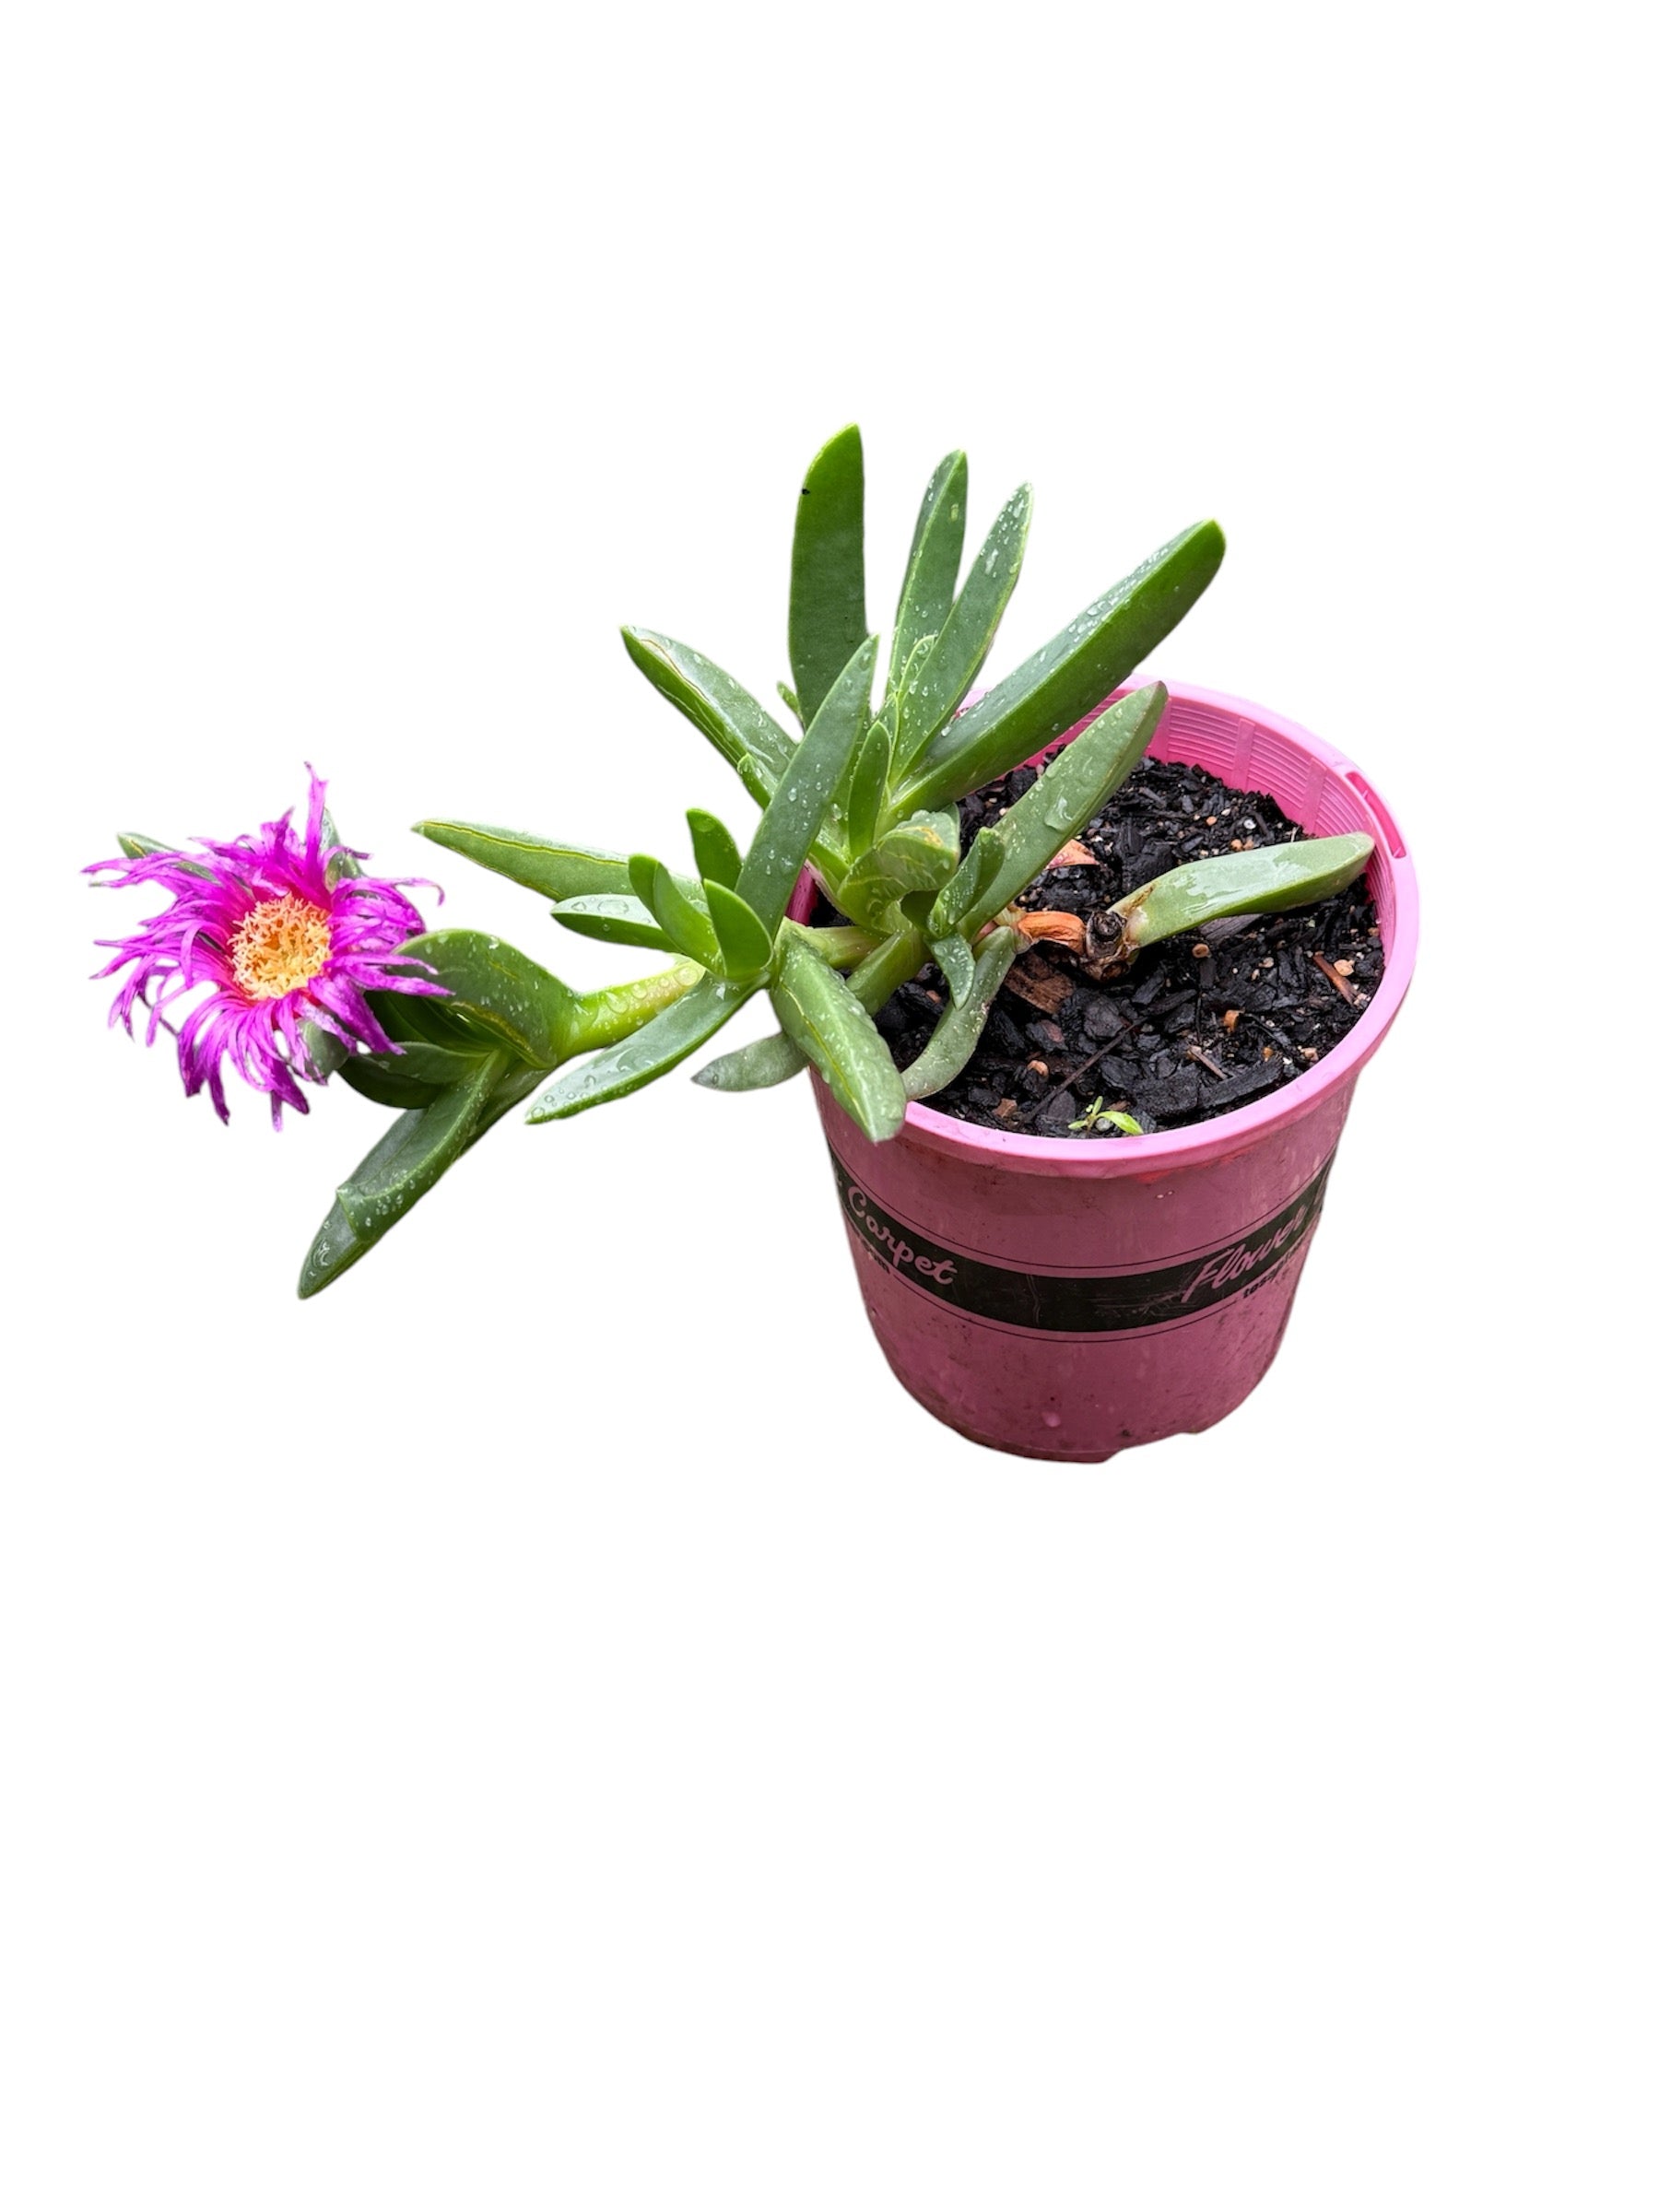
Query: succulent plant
[[864, 794]]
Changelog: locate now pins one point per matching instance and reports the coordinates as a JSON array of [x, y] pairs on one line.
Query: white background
[[550, 1723]]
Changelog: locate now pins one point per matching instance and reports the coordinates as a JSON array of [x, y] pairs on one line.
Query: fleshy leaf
[[415, 1152], [684, 922], [326, 1053], [1073, 672], [441, 1022], [792, 820], [827, 577], [968, 631], [954, 958], [734, 722], [138, 847], [501, 989], [382, 1081], [1067, 794], [604, 1017], [344, 863], [718, 859], [755, 1066], [950, 1047], [869, 788], [979, 862], [556, 871], [935, 554], [893, 962], [920, 855], [745, 946], [615, 918], [661, 1044], [821, 1015], [410, 1158], [436, 1066], [1242, 883]]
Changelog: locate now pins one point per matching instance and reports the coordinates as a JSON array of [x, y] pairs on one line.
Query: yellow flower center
[[282, 944]]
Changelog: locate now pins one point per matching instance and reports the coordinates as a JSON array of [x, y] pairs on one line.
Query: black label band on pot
[[1080, 1305]]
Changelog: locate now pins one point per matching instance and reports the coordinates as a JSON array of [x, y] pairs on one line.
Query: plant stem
[[604, 1017], [843, 946]]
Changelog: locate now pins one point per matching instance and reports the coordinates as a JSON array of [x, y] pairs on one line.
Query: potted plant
[[1052, 1274]]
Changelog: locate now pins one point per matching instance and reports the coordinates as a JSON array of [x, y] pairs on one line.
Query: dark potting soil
[[1200, 1024]]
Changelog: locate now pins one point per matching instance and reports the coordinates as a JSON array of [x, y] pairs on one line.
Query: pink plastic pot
[[1066, 1299]]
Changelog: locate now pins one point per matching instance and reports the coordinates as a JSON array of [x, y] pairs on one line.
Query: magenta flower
[[282, 930]]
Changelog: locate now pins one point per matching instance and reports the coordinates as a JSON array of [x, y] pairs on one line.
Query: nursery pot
[[1066, 1298]]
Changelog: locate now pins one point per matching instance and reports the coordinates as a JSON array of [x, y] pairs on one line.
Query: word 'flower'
[[284, 932]]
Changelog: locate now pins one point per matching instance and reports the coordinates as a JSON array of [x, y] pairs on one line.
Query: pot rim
[[1151, 1156]]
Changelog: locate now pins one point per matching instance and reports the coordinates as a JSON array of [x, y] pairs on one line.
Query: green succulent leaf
[[554, 870], [396, 1174], [755, 1066], [1073, 672], [746, 946], [605, 1016], [950, 1047], [382, 1080], [718, 858], [418, 1147], [1067, 794], [920, 855], [822, 1016], [734, 722], [980, 861], [410, 1019], [792, 820], [326, 1053], [869, 787], [497, 989], [791, 701], [136, 846], [344, 863], [894, 962], [827, 572], [437, 1065], [969, 629], [953, 956], [935, 554], [614, 918], [682, 921], [1242, 883], [661, 1044], [909, 675], [417, 1071]]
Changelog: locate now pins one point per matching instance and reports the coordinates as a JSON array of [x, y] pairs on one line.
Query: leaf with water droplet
[[827, 571], [661, 1044], [822, 1016], [1073, 672], [790, 822]]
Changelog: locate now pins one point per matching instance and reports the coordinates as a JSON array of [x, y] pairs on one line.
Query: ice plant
[[310, 967], [285, 939]]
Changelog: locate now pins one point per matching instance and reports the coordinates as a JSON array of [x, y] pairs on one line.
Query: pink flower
[[282, 930]]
